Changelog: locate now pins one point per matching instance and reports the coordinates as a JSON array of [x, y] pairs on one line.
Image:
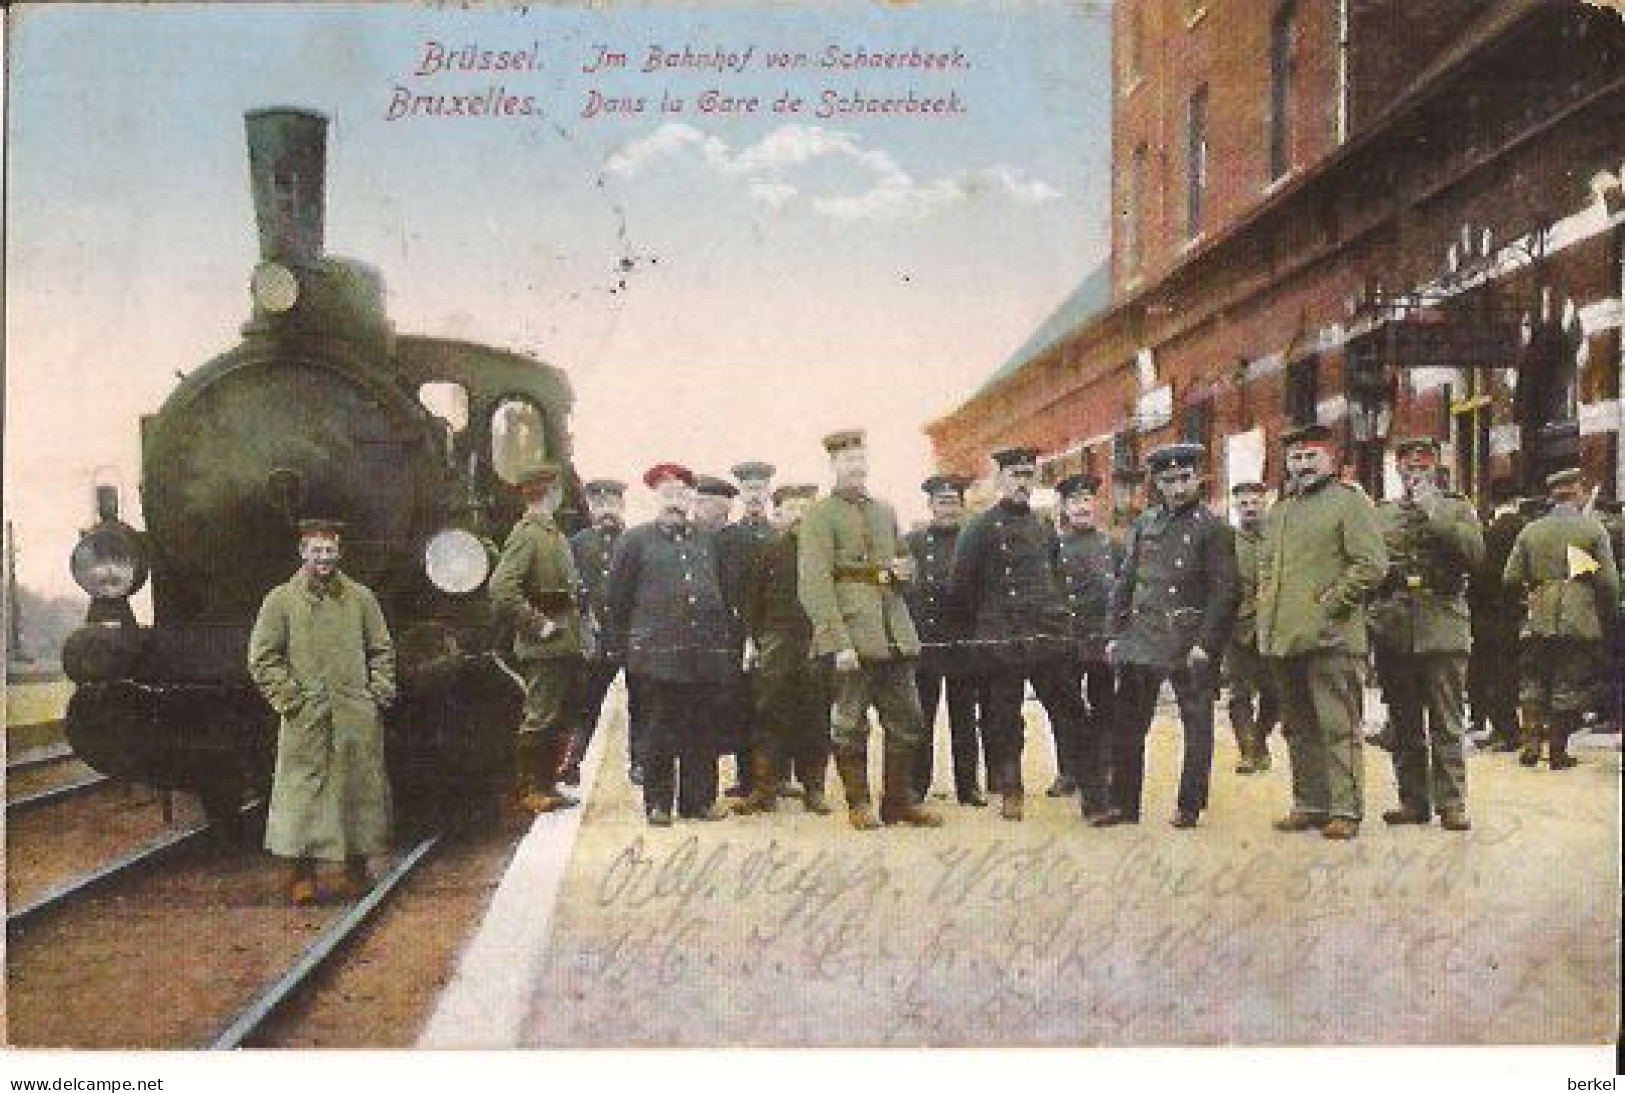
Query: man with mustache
[[1007, 590], [739, 544], [1172, 610], [1322, 555], [320, 653], [1420, 625], [593, 546], [668, 617], [851, 562]]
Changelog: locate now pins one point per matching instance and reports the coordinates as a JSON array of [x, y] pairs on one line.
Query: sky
[[789, 274]]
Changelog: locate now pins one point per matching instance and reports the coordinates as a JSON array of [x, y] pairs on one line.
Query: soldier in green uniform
[[1252, 706], [321, 655], [792, 690], [851, 561], [1420, 624], [1321, 556], [1565, 564], [535, 590]]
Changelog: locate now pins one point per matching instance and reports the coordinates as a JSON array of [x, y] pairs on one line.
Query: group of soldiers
[[772, 637]]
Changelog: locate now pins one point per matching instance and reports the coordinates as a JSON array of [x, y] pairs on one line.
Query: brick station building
[[1392, 217]]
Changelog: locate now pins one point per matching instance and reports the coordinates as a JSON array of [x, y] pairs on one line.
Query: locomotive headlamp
[[456, 561], [273, 287], [109, 563]]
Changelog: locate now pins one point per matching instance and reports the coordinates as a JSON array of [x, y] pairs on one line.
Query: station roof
[[1086, 301]]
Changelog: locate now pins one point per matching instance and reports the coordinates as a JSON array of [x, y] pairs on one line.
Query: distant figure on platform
[[851, 563], [536, 590], [1321, 557], [321, 655], [1565, 564], [1172, 610], [593, 546], [792, 689], [670, 621], [946, 664], [1422, 632], [1089, 562], [1252, 707]]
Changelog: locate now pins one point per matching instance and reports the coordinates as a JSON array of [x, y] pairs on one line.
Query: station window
[[1195, 160], [1302, 390], [1283, 29], [518, 438]]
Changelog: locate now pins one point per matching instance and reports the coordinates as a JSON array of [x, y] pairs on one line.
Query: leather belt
[[866, 574]]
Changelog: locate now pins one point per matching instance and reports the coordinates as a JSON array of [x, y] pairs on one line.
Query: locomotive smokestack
[[287, 167]]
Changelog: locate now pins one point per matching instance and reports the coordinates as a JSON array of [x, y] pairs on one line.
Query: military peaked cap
[[944, 483], [1416, 444], [1568, 476], [753, 471], [1247, 487], [796, 490], [711, 486], [320, 526], [1306, 434], [662, 472], [846, 438], [1016, 457], [1180, 454], [1077, 483], [605, 487]]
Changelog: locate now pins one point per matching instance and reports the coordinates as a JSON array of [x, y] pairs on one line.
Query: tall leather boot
[[853, 767], [897, 803], [810, 772], [1246, 732], [552, 754], [526, 761], [1561, 727], [1012, 796], [1534, 732], [764, 785]]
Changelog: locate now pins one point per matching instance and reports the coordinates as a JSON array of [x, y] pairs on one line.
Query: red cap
[[662, 471]]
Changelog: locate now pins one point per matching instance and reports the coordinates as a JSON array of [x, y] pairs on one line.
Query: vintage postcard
[[1065, 524]]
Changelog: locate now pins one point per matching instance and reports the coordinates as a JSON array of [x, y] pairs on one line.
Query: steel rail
[[331, 940], [147, 854], [39, 757], [55, 793]]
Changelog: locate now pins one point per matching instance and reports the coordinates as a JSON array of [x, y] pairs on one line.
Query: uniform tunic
[[849, 544], [1089, 562], [1496, 618], [1564, 669], [792, 691], [536, 579], [1007, 589], [738, 546], [593, 549], [1244, 672], [1177, 589], [1322, 555], [325, 664], [946, 666], [1422, 630]]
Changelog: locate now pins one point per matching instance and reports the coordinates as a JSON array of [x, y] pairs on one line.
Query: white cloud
[[880, 188]]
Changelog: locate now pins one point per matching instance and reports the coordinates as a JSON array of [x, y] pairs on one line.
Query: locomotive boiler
[[320, 409]]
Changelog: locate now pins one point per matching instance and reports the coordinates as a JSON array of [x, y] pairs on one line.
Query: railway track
[[62, 792], [332, 941]]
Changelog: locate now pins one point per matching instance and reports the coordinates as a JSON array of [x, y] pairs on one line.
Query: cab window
[[518, 438]]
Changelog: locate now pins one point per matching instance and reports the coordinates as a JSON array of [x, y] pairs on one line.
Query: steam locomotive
[[322, 409]]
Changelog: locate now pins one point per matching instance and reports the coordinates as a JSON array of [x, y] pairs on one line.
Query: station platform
[[793, 930]]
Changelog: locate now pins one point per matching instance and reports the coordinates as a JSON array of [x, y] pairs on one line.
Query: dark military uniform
[[668, 616], [792, 689], [1089, 561], [594, 548], [1007, 589], [1420, 626], [738, 545], [1252, 706], [1496, 620], [1566, 565], [944, 664], [1177, 590]]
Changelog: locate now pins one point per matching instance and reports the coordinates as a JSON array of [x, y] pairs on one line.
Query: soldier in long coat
[[1252, 706], [1321, 557], [792, 689], [1008, 591], [1496, 619], [592, 548], [1420, 624], [668, 617], [945, 665], [535, 590], [1172, 609], [1088, 560], [320, 653], [738, 546], [1565, 565], [851, 563]]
